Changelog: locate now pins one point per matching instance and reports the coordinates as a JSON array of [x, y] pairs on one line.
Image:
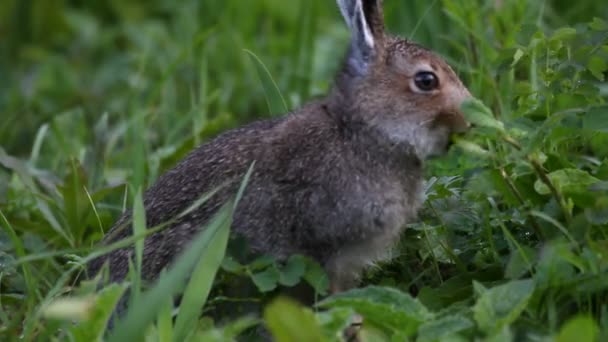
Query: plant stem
[[542, 175], [517, 194]]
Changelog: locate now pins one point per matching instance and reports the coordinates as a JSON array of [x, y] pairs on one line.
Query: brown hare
[[336, 180]]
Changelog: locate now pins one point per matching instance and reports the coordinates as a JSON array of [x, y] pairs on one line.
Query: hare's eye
[[426, 81]]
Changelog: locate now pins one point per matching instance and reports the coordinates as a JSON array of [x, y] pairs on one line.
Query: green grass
[[99, 98]]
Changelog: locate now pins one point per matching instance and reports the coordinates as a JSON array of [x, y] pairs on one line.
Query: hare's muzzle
[[455, 121]]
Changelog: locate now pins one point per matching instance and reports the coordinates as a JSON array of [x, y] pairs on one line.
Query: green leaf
[[503, 335], [229, 264], [93, 329], [579, 329], [567, 180], [229, 332], [500, 306], [274, 98], [440, 329], [164, 322], [477, 113], [519, 264], [563, 33], [139, 228], [599, 24], [266, 280], [316, 277], [200, 283], [145, 310], [596, 119], [472, 148], [384, 307], [598, 213], [293, 270], [570, 182], [597, 65], [75, 201], [261, 262], [334, 321], [69, 308], [92, 312], [290, 322]]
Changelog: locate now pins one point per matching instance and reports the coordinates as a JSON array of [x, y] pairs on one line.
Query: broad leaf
[[293, 271], [266, 280], [290, 322], [477, 113], [500, 306], [384, 307], [579, 329], [445, 327]]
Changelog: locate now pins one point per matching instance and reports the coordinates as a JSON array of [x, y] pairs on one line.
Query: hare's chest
[[387, 206]]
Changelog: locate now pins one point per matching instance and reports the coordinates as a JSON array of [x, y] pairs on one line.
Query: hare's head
[[403, 90]]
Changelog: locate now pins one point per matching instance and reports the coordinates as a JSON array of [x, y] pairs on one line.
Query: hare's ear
[[366, 23]]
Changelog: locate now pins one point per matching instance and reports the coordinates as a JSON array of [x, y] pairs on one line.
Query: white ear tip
[[367, 33]]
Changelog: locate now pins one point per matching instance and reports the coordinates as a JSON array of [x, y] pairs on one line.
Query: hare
[[335, 180]]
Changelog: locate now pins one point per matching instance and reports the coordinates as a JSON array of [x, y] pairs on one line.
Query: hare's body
[[336, 180], [320, 187]]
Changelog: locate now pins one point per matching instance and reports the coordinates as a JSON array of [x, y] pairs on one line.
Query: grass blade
[[274, 98], [141, 315]]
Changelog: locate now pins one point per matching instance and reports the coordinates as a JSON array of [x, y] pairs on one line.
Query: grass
[[99, 98]]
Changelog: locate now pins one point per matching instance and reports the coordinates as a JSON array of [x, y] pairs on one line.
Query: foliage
[[99, 98]]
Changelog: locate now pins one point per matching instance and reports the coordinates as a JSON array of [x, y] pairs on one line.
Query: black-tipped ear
[[366, 23]]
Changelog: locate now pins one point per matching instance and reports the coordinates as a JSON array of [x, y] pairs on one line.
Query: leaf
[[92, 312], [384, 307], [69, 308], [596, 119], [274, 98], [266, 280], [199, 286], [164, 322], [94, 328], [598, 213], [503, 335], [552, 270], [440, 329], [229, 332], [563, 33], [477, 113], [519, 53], [290, 322], [139, 228], [261, 262], [597, 65], [293, 270], [500, 306], [334, 321], [570, 182], [519, 264], [229, 264], [580, 329], [145, 310], [472, 148], [75, 201], [315, 276], [598, 24]]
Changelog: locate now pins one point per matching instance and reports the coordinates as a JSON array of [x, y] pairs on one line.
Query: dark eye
[[426, 81]]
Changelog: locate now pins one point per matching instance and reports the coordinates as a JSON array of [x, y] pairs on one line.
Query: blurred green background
[[183, 63]]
